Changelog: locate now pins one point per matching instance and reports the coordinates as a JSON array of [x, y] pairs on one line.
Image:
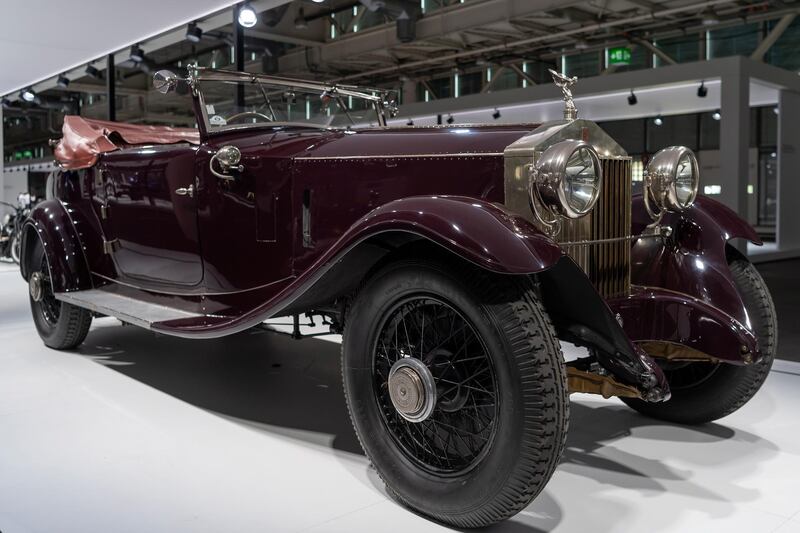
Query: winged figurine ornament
[[565, 83]]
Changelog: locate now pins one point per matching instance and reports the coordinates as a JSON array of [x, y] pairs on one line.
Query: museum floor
[[141, 433]]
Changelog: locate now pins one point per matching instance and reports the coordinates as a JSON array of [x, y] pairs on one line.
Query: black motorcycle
[[12, 226]]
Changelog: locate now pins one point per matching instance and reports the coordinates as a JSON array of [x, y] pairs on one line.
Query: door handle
[[185, 191]]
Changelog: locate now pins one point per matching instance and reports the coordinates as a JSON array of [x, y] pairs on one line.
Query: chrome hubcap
[[35, 286], [412, 389]]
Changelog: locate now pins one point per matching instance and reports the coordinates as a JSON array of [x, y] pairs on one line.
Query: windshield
[[283, 101]]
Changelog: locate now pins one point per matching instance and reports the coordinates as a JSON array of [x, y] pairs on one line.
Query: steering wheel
[[248, 114]]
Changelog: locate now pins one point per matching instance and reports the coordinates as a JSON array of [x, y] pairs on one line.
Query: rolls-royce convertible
[[453, 260]]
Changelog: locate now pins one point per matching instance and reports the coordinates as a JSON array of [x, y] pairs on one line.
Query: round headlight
[[567, 178], [673, 178]]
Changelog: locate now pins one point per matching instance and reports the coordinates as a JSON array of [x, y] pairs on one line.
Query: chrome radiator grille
[[601, 242]]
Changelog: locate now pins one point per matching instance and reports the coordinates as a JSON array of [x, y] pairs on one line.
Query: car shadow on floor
[[294, 388]]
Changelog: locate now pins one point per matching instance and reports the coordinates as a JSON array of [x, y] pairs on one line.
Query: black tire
[[15, 247], [704, 392], [61, 326], [530, 411]]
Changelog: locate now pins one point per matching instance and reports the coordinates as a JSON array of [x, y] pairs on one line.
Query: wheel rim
[[49, 307], [459, 427]]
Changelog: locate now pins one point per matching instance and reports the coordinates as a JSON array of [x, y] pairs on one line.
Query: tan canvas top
[[86, 139]]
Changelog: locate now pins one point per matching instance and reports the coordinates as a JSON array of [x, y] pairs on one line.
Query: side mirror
[[165, 81]]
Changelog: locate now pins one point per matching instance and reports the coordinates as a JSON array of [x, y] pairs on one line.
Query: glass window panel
[[738, 40], [682, 49], [676, 129], [583, 65], [784, 52]]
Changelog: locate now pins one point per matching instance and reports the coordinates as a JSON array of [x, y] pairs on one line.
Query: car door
[[146, 201], [246, 221]]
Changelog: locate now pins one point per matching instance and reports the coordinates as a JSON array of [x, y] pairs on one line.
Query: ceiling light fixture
[[709, 17], [632, 100], [62, 81], [137, 54], [247, 16], [193, 32], [702, 91], [27, 94], [716, 115], [581, 44], [92, 72], [658, 121], [300, 21]]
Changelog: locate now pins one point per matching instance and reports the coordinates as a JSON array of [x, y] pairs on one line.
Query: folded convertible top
[[86, 139]]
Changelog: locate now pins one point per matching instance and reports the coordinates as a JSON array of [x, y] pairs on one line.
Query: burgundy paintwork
[[236, 254]]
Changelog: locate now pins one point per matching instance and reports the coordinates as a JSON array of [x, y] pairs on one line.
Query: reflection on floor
[[139, 432]]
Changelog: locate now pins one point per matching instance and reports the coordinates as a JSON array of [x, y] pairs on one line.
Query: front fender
[[481, 232], [51, 224], [693, 260]]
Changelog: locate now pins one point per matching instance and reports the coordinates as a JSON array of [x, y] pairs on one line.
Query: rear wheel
[[60, 325], [456, 386], [703, 392]]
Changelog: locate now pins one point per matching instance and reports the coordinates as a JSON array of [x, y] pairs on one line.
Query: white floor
[[142, 433]]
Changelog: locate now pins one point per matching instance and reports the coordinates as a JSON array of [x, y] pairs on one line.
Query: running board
[[125, 308]]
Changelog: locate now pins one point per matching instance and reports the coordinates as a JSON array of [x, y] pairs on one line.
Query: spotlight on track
[[92, 71], [702, 91], [496, 114], [137, 54], [193, 32], [709, 17], [247, 16], [632, 100], [62, 81], [300, 21], [410, 122], [27, 94], [450, 119], [658, 121], [716, 115], [5, 102]]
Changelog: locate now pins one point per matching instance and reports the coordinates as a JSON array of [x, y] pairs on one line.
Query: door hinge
[[109, 247]]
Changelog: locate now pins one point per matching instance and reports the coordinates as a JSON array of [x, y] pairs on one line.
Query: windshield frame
[[377, 97]]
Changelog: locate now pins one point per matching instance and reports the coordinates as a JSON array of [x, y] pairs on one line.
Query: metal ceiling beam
[[539, 39], [450, 21], [655, 50], [773, 36]]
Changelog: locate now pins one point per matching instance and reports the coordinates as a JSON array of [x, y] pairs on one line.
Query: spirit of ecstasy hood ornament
[[565, 83]]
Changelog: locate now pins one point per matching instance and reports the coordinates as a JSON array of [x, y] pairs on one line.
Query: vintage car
[[453, 259]]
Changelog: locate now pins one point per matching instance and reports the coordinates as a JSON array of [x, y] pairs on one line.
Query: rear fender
[[50, 223]]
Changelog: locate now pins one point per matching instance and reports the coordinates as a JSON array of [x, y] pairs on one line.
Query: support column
[[788, 214], [409, 91], [2, 158], [111, 87], [238, 54], [734, 140]]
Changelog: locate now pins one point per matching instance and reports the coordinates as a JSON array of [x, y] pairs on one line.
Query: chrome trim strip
[[398, 156]]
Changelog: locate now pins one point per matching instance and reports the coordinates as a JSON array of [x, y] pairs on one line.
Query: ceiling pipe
[[537, 39]]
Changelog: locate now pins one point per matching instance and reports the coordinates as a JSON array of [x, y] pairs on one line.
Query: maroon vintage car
[[453, 259]]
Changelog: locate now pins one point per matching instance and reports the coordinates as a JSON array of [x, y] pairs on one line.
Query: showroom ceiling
[[42, 39]]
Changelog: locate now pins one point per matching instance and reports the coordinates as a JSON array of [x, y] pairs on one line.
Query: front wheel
[[456, 386], [704, 392]]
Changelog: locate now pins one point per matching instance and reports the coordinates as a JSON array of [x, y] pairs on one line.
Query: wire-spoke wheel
[[461, 424], [456, 386], [59, 324]]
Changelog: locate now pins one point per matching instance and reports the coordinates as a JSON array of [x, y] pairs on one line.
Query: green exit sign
[[619, 55]]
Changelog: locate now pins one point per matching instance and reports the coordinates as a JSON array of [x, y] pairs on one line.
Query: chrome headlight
[[673, 178], [567, 179]]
